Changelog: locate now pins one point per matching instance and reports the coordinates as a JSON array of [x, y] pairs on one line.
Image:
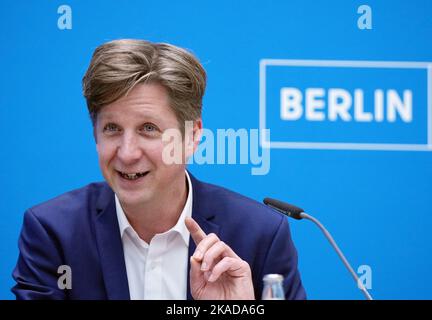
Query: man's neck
[[160, 215]]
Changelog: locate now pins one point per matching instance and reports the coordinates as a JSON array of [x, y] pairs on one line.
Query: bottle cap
[[273, 277]]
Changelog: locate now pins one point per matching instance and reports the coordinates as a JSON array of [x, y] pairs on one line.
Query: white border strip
[[266, 143], [346, 63], [429, 102], [262, 102]]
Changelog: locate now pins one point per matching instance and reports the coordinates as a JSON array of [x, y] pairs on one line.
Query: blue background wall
[[377, 204]]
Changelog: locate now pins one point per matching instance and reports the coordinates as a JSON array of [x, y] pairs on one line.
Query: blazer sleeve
[[39, 258], [282, 259]]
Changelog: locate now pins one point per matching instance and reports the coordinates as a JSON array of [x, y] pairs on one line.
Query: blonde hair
[[117, 66]]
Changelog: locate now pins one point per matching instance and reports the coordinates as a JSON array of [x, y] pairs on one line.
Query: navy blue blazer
[[80, 229]]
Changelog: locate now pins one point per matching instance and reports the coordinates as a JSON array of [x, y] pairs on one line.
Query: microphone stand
[[339, 252], [298, 214]]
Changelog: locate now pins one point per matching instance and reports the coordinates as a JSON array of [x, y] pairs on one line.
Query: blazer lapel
[[203, 215], [110, 247]]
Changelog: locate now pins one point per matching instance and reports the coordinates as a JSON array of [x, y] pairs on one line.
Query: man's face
[[129, 144]]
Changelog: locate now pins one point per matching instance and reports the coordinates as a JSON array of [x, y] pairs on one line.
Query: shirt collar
[[179, 227]]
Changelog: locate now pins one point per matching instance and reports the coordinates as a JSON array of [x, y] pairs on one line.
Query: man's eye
[[110, 127], [148, 127]]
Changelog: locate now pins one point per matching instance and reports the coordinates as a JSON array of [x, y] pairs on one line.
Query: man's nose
[[129, 151]]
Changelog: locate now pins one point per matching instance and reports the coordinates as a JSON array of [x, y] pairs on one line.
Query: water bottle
[[273, 288]]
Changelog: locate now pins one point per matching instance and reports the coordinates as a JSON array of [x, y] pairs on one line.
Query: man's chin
[[136, 198]]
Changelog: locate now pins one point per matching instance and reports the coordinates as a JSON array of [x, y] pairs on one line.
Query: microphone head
[[286, 208]]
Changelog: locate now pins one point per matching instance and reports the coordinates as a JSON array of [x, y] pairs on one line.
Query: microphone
[[298, 214], [285, 208]]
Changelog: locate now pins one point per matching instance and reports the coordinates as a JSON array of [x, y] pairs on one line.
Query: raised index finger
[[195, 230]]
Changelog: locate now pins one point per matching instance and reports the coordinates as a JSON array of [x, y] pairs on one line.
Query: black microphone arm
[[298, 214]]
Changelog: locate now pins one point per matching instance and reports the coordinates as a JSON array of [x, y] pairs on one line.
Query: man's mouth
[[132, 176]]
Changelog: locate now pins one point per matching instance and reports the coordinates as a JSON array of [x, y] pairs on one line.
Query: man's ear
[[197, 132], [192, 136], [94, 133]]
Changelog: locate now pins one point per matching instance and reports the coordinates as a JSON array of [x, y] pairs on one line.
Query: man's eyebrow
[[145, 116], [107, 116]]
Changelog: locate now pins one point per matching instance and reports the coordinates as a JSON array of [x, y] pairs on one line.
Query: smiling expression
[[129, 144]]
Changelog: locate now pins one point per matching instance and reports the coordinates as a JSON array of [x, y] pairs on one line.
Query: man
[[129, 237]]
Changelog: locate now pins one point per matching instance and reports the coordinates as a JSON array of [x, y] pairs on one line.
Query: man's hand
[[216, 272]]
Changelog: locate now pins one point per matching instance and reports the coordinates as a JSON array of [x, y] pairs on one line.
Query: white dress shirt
[[157, 270]]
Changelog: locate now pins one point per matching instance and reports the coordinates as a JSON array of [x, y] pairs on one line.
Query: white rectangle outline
[[265, 143]]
